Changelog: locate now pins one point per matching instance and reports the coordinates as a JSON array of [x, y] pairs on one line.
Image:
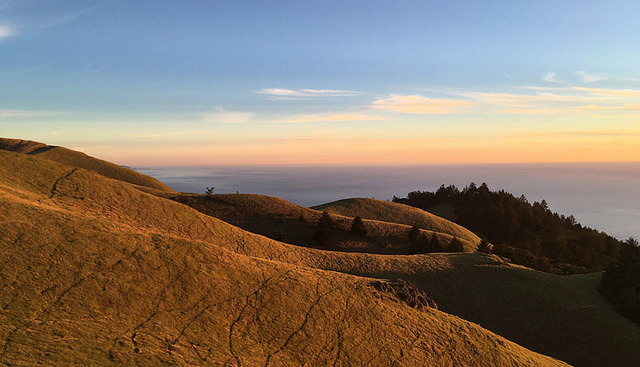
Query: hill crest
[[81, 160]]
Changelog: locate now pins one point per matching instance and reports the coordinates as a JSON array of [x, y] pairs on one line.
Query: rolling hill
[[145, 280], [81, 160], [99, 271], [398, 213], [281, 220]]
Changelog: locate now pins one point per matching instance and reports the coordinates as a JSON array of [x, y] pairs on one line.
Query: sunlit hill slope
[[100, 271]]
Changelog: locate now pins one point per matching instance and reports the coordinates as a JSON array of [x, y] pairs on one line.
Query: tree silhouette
[[528, 234], [413, 233], [358, 227], [620, 283], [455, 245], [324, 230], [484, 246]]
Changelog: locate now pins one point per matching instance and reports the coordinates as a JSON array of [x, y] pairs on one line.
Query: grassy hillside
[[287, 222], [95, 271], [20, 146], [584, 330], [536, 309], [81, 160], [398, 213]]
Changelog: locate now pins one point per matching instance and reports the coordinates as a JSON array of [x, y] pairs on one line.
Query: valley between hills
[[101, 265]]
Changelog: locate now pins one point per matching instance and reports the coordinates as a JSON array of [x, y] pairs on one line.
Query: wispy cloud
[[21, 24], [557, 99], [170, 134], [633, 117], [609, 92], [7, 114], [589, 78], [302, 93], [551, 78], [527, 111], [626, 107], [417, 104], [5, 32], [330, 118], [577, 133], [222, 116]]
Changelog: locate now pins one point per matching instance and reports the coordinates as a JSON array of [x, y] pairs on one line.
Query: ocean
[[603, 196]]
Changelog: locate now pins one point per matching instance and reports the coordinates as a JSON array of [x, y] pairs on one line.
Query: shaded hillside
[[540, 310], [96, 272], [20, 146], [78, 159], [398, 213], [528, 234], [287, 222]]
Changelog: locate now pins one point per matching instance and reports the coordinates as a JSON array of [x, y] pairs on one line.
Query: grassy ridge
[[96, 271], [108, 169], [78, 159], [20, 146], [397, 213], [284, 221]]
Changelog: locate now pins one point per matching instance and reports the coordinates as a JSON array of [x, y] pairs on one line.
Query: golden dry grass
[[287, 222], [80, 160], [20, 146], [398, 213], [97, 270]]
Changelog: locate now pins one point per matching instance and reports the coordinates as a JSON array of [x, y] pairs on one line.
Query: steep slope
[[284, 221], [81, 160], [397, 213], [95, 271]]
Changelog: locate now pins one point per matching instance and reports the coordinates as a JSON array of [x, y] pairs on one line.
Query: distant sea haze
[[603, 196]]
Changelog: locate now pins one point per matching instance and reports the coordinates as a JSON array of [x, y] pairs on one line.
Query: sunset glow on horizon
[[150, 83]]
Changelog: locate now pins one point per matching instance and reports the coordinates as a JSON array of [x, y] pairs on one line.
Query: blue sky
[[197, 82]]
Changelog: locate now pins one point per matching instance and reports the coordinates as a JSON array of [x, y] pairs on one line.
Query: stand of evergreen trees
[[621, 281], [527, 234]]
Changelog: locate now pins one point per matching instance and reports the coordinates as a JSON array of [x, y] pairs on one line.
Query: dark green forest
[[621, 281], [526, 233]]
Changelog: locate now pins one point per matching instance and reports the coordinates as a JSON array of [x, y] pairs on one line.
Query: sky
[[157, 83]]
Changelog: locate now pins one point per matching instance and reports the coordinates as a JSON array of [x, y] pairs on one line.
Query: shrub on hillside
[[406, 292]]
